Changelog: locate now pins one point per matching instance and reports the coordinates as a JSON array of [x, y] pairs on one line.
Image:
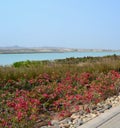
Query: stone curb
[[103, 118]]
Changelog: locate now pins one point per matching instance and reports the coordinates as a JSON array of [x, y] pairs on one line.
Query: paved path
[[109, 119], [112, 123]]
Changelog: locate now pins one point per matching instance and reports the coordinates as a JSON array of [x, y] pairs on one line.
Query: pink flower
[[33, 117], [17, 106], [49, 123], [11, 104], [35, 101], [112, 87], [45, 95], [19, 115]]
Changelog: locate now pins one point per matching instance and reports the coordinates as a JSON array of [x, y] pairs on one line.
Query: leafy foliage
[[29, 90]]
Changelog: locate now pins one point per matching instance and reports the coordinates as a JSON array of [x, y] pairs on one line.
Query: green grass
[[31, 69]]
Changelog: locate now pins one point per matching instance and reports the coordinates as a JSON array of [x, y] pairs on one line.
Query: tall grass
[[31, 69]]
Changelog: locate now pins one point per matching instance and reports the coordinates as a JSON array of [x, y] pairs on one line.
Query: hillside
[[18, 50]]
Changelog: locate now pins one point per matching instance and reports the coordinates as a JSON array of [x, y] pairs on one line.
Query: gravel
[[81, 117]]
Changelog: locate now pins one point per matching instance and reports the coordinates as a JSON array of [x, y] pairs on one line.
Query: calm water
[[8, 59]]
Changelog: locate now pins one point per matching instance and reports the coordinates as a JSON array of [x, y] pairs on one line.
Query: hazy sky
[[60, 23]]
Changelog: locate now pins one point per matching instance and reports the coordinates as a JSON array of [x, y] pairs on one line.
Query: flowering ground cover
[[51, 93]]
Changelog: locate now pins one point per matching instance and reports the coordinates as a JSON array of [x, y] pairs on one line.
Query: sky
[[90, 24]]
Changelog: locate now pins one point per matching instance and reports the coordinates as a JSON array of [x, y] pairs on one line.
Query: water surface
[[8, 59]]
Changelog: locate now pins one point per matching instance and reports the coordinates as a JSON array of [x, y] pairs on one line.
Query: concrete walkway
[[109, 119], [112, 123]]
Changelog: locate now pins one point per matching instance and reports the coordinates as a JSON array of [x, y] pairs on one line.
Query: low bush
[[33, 91]]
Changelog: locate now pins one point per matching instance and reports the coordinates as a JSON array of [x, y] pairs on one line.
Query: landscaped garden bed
[[35, 94]]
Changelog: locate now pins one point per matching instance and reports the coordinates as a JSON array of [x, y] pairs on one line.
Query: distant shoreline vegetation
[[20, 50]]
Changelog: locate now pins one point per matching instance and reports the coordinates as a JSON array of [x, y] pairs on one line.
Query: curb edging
[[103, 118]]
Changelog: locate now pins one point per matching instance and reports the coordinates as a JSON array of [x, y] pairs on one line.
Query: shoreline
[[22, 50]]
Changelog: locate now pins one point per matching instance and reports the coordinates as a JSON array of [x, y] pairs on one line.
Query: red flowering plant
[[20, 110], [24, 101]]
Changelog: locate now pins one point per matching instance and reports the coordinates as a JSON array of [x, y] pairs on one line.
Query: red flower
[[45, 95], [19, 115], [49, 123], [88, 110]]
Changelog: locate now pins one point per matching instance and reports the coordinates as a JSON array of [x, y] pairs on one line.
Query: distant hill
[[17, 49]]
